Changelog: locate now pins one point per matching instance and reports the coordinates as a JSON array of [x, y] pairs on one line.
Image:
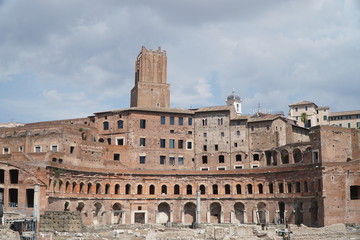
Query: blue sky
[[69, 59]]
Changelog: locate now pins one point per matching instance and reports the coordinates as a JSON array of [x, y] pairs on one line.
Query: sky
[[62, 59]]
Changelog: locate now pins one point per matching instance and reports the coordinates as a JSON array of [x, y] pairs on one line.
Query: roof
[[322, 108], [344, 113], [150, 109], [214, 109], [260, 117], [303, 102], [11, 125]]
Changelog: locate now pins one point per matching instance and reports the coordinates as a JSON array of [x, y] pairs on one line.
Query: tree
[[304, 118]]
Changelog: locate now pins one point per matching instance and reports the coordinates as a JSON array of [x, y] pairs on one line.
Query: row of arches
[[288, 156], [188, 189]]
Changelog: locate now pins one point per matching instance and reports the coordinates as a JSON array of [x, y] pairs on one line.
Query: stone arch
[[67, 187], [261, 213], [299, 213], [80, 206], [89, 188], [176, 189], [227, 189], [98, 188], [163, 213], [239, 209], [281, 216], [215, 212], [285, 156], [101, 140], [307, 157], [297, 155], [189, 212], [260, 188], [74, 187], [81, 187], [116, 213], [249, 188], [215, 189], [128, 189], [188, 189], [98, 214]]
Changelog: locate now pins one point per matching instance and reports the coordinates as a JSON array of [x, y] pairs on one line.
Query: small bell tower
[[234, 100]]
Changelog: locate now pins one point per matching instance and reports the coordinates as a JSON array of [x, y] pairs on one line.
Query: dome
[[233, 97]]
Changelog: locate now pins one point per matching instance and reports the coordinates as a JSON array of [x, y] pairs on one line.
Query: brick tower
[[151, 89]]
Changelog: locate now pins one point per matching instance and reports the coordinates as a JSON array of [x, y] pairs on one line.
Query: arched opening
[[106, 125], [67, 187], [152, 190], [107, 188], [227, 189], [260, 188], [74, 184], [189, 189], [89, 188], [249, 189], [117, 213], [299, 213], [80, 206], [261, 213], [215, 212], [215, 189], [66, 206], [189, 212], [127, 189], [81, 189], [120, 124], [297, 155], [98, 188], [139, 189], [117, 189], [281, 217], [238, 189], [109, 141], [314, 214], [202, 189], [275, 156], [163, 213], [163, 189], [97, 216], [176, 189], [239, 209], [101, 140], [284, 156]]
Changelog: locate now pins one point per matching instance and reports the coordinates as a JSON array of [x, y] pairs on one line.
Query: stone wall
[[60, 221]]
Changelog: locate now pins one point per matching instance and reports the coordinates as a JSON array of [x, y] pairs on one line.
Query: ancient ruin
[[152, 164]]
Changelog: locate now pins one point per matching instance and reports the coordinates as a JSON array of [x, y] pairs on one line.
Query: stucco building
[[147, 163]]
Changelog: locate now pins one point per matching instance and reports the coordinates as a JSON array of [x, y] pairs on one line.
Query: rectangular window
[[37, 149], [30, 197], [190, 132], [204, 169], [222, 134], [172, 160], [216, 147], [116, 156], [340, 125], [142, 123], [180, 160], [172, 120], [205, 135], [349, 125], [254, 165], [348, 117], [120, 141], [181, 121], [171, 143], [190, 121], [142, 159], [238, 133], [72, 148], [358, 125], [296, 109], [162, 143], [238, 157], [354, 192], [267, 127], [252, 128], [204, 159], [221, 168], [235, 144], [325, 118], [120, 124], [54, 148], [142, 142], [172, 131], [180, 144], [205, 148], [188, 145], [162, 120], [238, 167], [21, 148], [306, 108], [162, 160]]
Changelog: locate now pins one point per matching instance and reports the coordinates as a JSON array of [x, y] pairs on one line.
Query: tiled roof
[[344, 113], [151, 109], [302, 103], [214, 109]]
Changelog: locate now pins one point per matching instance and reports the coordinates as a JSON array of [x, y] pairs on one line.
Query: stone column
[[198, 208], [245, 217], [37, 202]]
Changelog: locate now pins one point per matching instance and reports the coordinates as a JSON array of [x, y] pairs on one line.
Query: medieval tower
[[151, 89]]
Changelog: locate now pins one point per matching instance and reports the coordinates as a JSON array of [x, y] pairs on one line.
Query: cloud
[[80, 55]]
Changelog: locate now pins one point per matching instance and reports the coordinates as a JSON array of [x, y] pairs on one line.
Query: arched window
[[215, 189], [227, 189], [98, 188], [163, 189], [176, 189], [202, 189], [127, 189], [188, 189], [238, 189], [107, 188], [117, 189], [152, 190], [221, 159], [139, 189], [249, 189], [106, 125], [260, 189]]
